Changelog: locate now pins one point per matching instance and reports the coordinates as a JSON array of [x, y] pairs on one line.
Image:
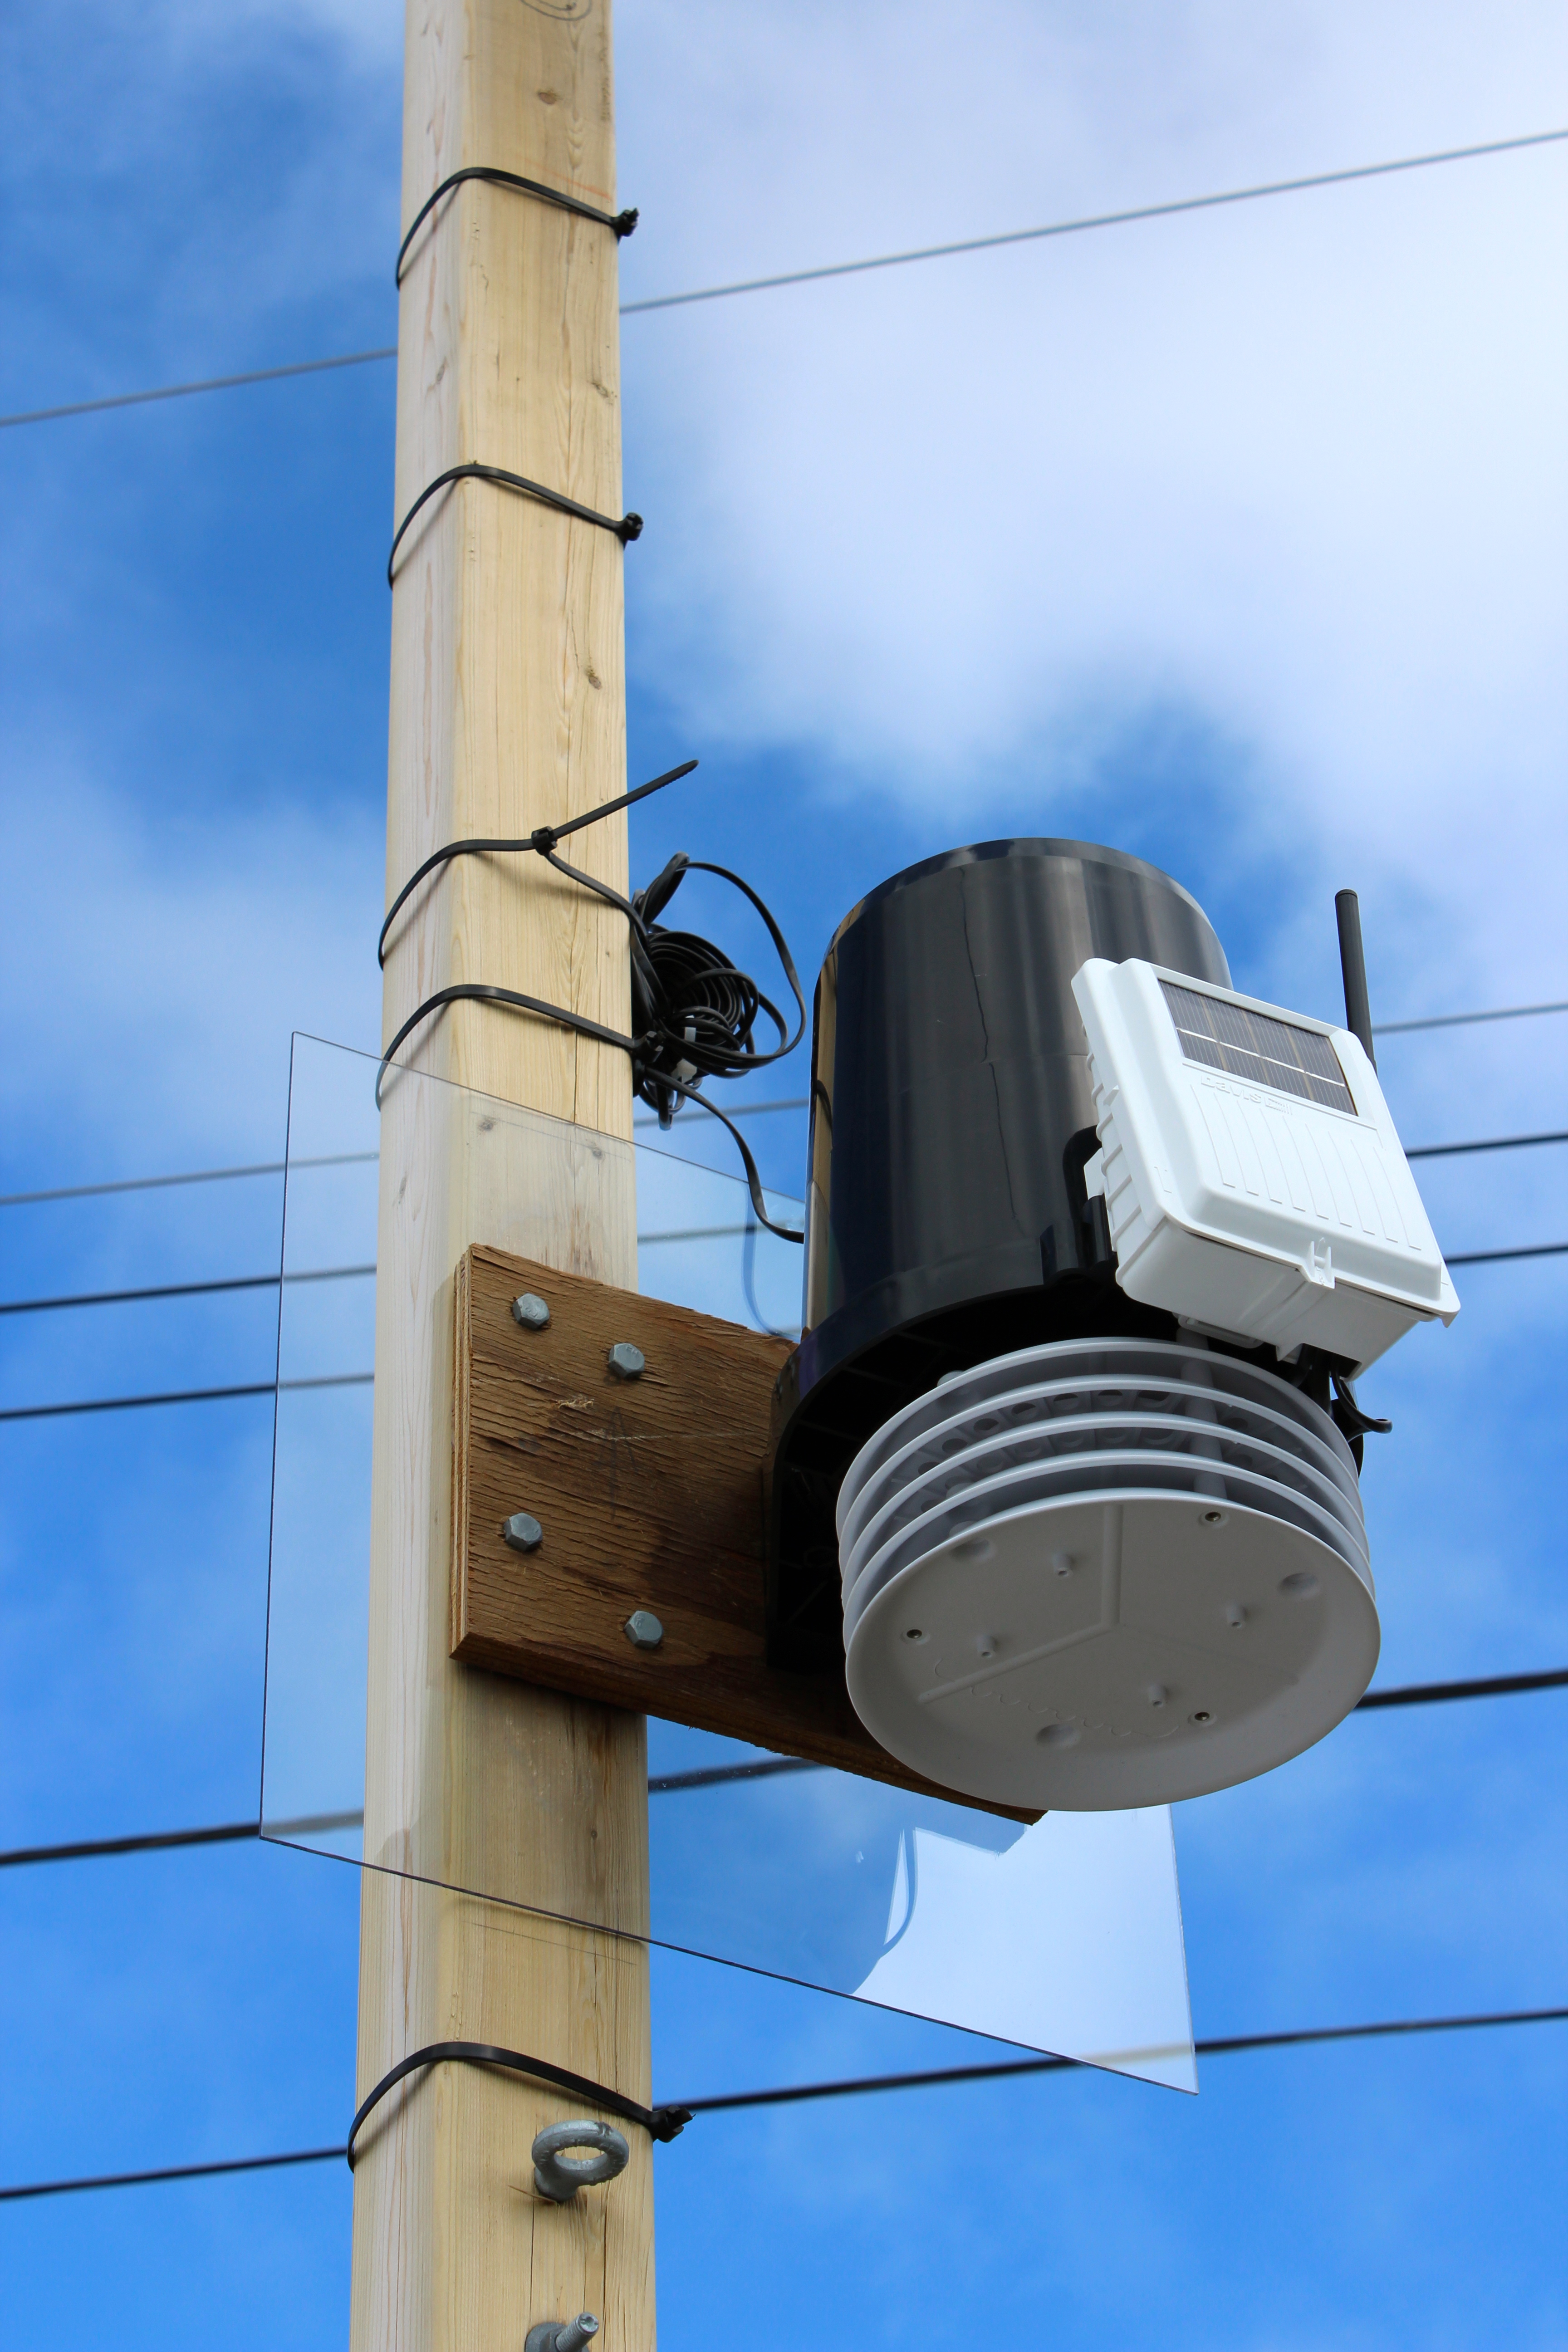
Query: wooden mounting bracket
[[649, 1495]]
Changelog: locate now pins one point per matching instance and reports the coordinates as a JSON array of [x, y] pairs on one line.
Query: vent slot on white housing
[[1254, 1183], [1105, 1573]]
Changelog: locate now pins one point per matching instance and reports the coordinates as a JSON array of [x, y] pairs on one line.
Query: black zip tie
[[622, 223], [544, 839], [659, 2123], [486, 994], [628, 528]]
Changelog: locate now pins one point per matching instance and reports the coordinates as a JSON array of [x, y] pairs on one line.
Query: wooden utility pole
[[508, 712]]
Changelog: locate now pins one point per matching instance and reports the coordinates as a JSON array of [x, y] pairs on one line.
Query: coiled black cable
[[694, 1011]]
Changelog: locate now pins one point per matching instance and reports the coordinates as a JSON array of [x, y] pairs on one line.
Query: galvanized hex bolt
[[626, 1362], [642, 1629], [523, 1532], [562, 2335], [531, 1312], [559, 2175]]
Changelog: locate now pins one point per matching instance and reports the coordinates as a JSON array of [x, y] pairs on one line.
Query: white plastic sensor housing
[[1254, 1183], [1104, 1573]]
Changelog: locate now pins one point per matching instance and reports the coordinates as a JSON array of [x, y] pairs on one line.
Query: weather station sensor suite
[[1068, 1458]]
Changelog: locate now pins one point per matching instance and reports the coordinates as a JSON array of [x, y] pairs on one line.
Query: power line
[[850, 269], [1224, 2046], [791, 2095], [206, 384], [746, 1110], [171, 2172], [1501, 1256], [352, 1273], [184, 1396], [1093, 220], [192, 1176], [1487, 1686], [1463, 1020], [1488, 1143], [180, 1290], [712, 1776]]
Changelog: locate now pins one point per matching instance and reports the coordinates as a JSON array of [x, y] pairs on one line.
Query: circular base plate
[[1094, 1653]]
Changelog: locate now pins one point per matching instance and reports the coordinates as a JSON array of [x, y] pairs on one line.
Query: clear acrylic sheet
[[1064, 1937]]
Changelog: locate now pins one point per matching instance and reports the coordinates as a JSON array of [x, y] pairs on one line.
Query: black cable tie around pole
[[482, 992], [622, 223], [659, 2123], [628, 528], [543, 839]]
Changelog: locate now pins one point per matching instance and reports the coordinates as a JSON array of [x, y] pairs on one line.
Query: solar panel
[[1255, 1046]]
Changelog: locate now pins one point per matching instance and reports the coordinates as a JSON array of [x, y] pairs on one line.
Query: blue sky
[[1235, 540]]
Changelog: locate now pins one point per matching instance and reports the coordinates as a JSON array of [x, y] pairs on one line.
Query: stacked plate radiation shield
[[1104, 1573]]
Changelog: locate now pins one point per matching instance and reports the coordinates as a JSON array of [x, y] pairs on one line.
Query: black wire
[[711, 1776], [1224, 2046], [543, 839], [1500, 1257], [1486, 1686], [1488, 1143], [850, 268], [183, 1396], [180, 1290], [1464, 1020], [628, 528], [622, 223], [1090, 221], [195, 1176], [936, 2078]]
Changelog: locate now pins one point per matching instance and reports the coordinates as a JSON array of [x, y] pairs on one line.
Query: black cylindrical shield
[[946, 1218]]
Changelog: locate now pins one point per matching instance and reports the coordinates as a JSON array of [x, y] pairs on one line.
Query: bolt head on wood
[[626, 1362], [644, 1631], [531, 1312], [523, 1532]]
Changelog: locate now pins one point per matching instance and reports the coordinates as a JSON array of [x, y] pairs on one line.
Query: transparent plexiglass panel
[[1065, 1937]]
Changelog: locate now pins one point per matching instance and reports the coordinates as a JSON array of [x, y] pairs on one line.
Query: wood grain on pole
[[506, 712]]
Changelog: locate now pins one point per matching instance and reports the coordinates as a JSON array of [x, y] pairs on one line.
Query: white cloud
[[164, 973], [1293, 468]]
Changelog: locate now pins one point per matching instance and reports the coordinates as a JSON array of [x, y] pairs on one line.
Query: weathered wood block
[[649, 1492]]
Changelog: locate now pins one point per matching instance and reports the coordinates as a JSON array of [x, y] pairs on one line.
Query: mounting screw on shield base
[[523, 1532], [531, 1312], [626, 1362], [642, 1629]]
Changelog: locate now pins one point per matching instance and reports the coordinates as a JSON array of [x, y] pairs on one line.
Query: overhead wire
[[183, 1396], [1077, 226], [708, 1776], [180, 1290], [187, 1176], [855, 2086], [744, 1111]]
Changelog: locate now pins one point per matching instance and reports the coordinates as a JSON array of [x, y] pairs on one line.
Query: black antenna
[[1352, 963]]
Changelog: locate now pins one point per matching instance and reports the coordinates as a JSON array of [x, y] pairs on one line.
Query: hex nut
[[523, 1532], [626, 1362], [531, 1312], [642, 1629]]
